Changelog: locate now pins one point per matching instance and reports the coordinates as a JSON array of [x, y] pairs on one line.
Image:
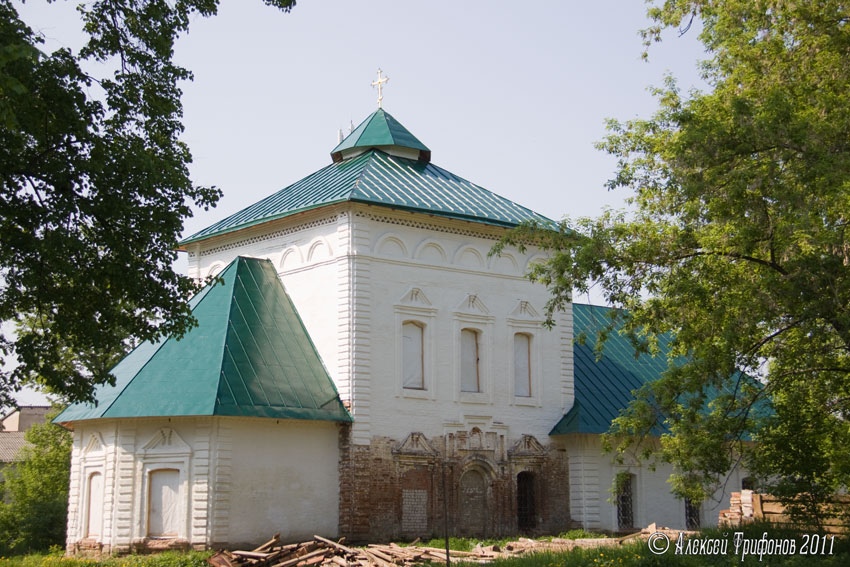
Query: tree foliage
[[737, 245], [94, 189], [34, 507]]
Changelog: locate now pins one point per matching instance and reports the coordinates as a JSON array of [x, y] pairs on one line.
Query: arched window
[[522, 365], [94, 508], [413, 356], [469, 361]]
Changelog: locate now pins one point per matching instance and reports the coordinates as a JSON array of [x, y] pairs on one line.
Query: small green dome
[[381, 131]]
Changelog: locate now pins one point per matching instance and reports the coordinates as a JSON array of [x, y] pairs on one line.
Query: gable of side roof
[[250, 356]]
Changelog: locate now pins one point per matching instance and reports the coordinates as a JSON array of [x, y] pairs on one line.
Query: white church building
[[359, 343]]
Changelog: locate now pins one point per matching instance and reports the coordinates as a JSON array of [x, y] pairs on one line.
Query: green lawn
[[165, 559], [636, 554]]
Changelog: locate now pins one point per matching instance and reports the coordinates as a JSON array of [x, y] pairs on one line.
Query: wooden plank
[[377, 560], [251, 554], [335, 544], [269, 544], [295, 561]]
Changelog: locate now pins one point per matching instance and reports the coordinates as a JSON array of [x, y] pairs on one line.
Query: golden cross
[[380, 84]]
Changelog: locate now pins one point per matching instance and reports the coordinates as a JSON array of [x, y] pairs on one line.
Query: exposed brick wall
[[389, 490]]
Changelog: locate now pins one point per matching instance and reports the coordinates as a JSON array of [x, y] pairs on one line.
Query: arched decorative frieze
[[318, 250], [536, 259], [429, 250], [504, 263], [468, 257], [214, 269], [391, 245], [290, 259]]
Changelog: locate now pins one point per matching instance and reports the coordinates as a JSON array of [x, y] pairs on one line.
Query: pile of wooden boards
[[323, 552]]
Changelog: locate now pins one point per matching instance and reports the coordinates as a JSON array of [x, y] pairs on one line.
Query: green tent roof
[[380, 129], [250, 355], [378, 178], [604, 387]]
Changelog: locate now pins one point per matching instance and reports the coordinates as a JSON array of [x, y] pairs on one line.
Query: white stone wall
[[350, 270], [240, 479], [592, 476], [437, 272]]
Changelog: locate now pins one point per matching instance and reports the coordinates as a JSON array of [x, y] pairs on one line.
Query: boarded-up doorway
[[94, 510], [526, 513], [473, 504], [163, 505]]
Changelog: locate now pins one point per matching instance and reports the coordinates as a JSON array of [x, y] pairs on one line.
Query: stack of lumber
[[323, 552]]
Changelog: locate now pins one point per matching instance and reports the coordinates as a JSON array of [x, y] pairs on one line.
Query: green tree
[[737, 245], [34, 509], [94, 189]]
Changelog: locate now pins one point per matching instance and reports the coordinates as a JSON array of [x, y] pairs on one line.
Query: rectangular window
[[469, 361], [522, 365], [412, 356]]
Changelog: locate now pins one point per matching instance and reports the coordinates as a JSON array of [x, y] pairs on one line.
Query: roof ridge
[[235, 265]]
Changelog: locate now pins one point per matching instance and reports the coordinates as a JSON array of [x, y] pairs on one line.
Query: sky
[[509, 95]]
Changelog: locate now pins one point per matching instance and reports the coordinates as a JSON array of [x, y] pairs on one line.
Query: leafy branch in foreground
[[94, 189], [736, 248]]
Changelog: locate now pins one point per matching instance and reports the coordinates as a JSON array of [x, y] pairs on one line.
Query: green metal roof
[[603, 388], [380, 129], [250, 355], [378, 178]]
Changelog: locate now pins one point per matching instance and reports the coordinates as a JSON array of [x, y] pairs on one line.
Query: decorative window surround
[[473, 314], [165, 450], [93, 462], [415, 307], [525, 320]]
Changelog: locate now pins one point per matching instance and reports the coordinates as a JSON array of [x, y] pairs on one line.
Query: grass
[[468, 544], [634, 554], [57, 559]]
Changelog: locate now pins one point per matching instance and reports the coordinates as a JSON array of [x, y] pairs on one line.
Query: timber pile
[[322, 552]]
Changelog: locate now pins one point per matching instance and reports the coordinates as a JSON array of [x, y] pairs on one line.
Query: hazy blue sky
[[509, 95]]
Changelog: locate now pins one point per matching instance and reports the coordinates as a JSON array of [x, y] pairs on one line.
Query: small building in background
[[13, 426]]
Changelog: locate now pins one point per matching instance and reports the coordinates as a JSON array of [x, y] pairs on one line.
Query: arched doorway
[[94, 509], [163, 508], [473, 504], [525, 506]]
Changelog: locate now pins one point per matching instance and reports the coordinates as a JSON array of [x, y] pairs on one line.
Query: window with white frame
[[413, 355], [522, 365], [470, 379]]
